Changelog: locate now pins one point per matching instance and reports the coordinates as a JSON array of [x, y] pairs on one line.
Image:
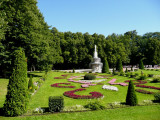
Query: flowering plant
[[58, 85], [72, 94]]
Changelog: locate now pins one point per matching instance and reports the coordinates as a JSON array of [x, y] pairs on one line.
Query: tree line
[[22, 25]]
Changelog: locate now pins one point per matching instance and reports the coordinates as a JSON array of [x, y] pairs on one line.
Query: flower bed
[[151, 87], [111, 82], [74, 96], [58, 85], [110, 87], [62, 76], [138, 82], [144, 91]]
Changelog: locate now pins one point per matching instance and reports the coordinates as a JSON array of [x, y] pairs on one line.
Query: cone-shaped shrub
[[131, 98], [141, 66], [30, 84], [119, 66], [105, 67], [17, 95]]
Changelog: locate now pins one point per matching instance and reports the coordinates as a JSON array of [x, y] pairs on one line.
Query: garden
[[106, 91]]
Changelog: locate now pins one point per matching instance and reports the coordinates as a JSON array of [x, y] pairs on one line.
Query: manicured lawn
[[130, 113], [40, 98]]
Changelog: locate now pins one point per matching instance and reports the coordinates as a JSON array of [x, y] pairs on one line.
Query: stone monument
[[96, 64]]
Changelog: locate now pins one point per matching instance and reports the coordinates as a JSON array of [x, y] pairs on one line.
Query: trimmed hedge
[[56, 103], [89, 76], [157, 97]]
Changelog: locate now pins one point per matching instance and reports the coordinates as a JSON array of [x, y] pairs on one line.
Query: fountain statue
[[96, 64]]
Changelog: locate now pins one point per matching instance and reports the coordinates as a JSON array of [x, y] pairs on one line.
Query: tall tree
[[17, 95]]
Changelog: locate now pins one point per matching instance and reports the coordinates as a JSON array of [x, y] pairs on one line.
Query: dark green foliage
[[95, 106], [141, 66], [89, 76], [30, 84], [105, 67], [128, 74], [17, 95], [73, 70], [156, 79], [143, 77], [157, 97], [126, 70], [56, 103], [131, 98], [119, 66], [122, 74]]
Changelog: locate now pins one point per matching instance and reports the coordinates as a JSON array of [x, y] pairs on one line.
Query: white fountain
[[96, 64]]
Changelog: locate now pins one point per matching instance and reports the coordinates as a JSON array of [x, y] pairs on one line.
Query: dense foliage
[[131, 98], [17, 95], [95, 106], [157, 97], [56, 103], [89, 76]]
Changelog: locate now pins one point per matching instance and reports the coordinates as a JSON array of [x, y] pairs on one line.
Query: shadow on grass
[[33, 75], [1, 112]]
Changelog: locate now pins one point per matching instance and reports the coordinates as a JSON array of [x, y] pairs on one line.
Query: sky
[[102, 16]]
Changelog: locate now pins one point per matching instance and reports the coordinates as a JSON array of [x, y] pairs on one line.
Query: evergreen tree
[[131, 98], [17, 95], [30, 84], [119, 66], [105, 67], [141, 66]]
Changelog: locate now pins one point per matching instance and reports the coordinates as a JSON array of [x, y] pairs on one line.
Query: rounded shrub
[[157, 97], [131, 98], [89, 76], [95, 106]]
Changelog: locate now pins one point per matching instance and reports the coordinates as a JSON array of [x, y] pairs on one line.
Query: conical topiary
[[105, 66], [141, 66], [119, 66], [17, 95], [131, 98]]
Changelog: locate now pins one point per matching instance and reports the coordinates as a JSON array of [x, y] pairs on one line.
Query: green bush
[[156, 78], [89, 76], [17, 93], [143, 77], [121, 74], [150, 75], [131, 98], [94, 106], [157, 97], [30, 85], [128, 74], [56, 103], [136, 74]]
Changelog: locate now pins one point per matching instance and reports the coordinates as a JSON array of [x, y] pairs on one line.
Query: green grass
[[40, 99], [130, 113]]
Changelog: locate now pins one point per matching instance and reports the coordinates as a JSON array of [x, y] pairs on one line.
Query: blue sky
[[102, 16]]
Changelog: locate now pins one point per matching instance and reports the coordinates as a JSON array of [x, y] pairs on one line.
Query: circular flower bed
[[58, 85], [74, 96]]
